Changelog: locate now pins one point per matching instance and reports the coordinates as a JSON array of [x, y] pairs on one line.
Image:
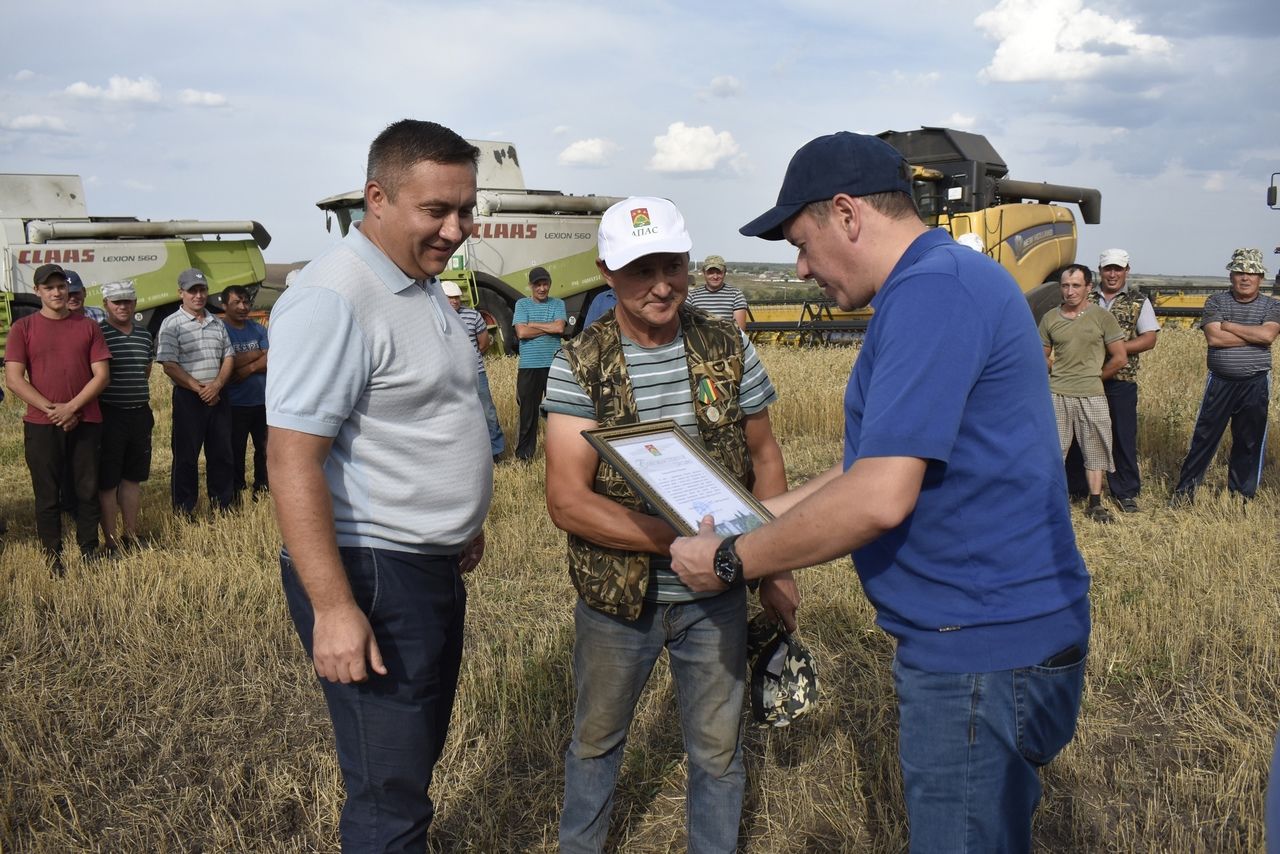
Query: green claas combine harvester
[[43, 220]]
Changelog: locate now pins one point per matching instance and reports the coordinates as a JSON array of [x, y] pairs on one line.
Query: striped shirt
[[721, 303], [130, 358], [538, 352], [660, 382], [1248, 359], [473, 322], [197, 344]]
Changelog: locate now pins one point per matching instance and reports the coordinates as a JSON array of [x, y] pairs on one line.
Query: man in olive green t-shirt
[[1084, 345]]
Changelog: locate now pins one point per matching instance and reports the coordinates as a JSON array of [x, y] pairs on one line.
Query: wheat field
[[162, 702]]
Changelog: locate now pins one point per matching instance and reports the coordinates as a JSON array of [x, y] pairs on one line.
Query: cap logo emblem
[[640, 217]]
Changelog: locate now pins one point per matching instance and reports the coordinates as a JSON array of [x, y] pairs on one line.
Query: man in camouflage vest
[[654, 358], [1137, 318]]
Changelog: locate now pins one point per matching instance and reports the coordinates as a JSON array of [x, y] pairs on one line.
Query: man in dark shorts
[[126, 416]]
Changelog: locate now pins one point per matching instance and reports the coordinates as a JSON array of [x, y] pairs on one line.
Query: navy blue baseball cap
[[75, 284], [843, 162]]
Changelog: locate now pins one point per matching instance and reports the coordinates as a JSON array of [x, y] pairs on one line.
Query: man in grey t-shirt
[[1239, 327], [716, 298]]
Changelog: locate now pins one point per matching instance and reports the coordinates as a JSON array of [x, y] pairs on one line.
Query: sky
[[240, 110]]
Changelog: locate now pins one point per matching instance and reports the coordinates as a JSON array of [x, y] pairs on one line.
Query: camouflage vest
[[612, 580], [1125, 308]]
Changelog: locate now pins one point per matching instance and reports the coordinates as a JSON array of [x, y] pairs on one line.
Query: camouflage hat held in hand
[[784, 680]]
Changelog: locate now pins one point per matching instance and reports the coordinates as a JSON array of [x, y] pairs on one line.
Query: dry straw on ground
[[162, 702]]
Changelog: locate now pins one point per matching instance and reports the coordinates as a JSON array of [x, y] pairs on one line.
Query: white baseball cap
[[639, 226], [971, 240], [1118, 257], [450, 289]]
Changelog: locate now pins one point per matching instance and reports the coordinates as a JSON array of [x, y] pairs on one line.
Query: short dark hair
[[237, 291], [408, 142], [1088, 274], [894, 205]]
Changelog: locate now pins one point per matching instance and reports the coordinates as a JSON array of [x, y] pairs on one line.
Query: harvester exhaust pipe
[[40, 231], [1089, 201]]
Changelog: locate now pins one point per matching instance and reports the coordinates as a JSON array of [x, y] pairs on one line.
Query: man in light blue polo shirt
[[379, 462]]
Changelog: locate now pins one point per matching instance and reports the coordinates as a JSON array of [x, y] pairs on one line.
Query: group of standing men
[[84, 374], [1093, 341], [992, 621]]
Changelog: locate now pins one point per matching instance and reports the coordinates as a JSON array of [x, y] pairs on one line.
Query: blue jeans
[[390, 730], [497, 441], [612, 659], [970, 746]]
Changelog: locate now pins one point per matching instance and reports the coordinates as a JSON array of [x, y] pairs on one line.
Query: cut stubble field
[[162, 702]]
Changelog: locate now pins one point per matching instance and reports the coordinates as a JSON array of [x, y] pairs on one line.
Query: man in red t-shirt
[[57, 363]]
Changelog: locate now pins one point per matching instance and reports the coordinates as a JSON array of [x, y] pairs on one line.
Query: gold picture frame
[[677, 478]]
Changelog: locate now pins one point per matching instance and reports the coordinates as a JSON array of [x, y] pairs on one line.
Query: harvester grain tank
[[43, 220], [961, 184], [515, 230]]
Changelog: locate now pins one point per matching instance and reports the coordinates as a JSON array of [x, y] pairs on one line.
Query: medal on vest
[[713, 414]]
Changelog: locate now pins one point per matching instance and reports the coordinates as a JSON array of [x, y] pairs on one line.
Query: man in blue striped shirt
[[654, 358]]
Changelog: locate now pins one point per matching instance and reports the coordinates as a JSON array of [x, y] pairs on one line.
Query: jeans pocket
[[1048, 704]]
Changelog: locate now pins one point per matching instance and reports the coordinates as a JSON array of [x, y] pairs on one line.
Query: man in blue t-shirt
[[539, 322], [248, 388], [951, 498]]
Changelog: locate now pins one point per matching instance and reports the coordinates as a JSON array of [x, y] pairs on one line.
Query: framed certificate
[[677, 478]]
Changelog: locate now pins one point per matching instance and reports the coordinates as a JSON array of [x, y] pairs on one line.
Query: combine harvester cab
[[962, 184], [515, 230], [43, 220]]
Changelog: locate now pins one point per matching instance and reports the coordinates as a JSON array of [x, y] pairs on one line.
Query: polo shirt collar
[[386, 270], [929, 239]]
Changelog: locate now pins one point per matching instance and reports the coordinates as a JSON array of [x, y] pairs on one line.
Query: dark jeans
[[1124, 482], [51, 452], [197, 425], [248, 421], [1243, 404], [531, 385], [390, 730], [970, 746]]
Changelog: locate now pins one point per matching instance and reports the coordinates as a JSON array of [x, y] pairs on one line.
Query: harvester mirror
[[328, 222], [1271, 195]]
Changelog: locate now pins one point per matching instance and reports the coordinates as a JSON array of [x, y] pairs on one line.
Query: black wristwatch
[[727, 564]]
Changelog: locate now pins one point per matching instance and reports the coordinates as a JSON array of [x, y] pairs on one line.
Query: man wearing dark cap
[[950, 496], [196, 352], [58, 364], [716, 298], [1239, 326], [76, 296], [539, 321]]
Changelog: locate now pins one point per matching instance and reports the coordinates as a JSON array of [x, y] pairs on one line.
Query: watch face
[[726, 564]]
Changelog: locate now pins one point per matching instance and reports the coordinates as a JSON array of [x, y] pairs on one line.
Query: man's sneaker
[[1179, 500], [1127, 505], [1098, 513]]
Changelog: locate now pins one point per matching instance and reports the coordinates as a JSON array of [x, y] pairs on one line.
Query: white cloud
[[588, 152], [24, 74], [144, 90], [693, 149], [559, 130], [1060, 40], [1215, 183], [961, 121], [196, 98], [33, 123], [725, 86]]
